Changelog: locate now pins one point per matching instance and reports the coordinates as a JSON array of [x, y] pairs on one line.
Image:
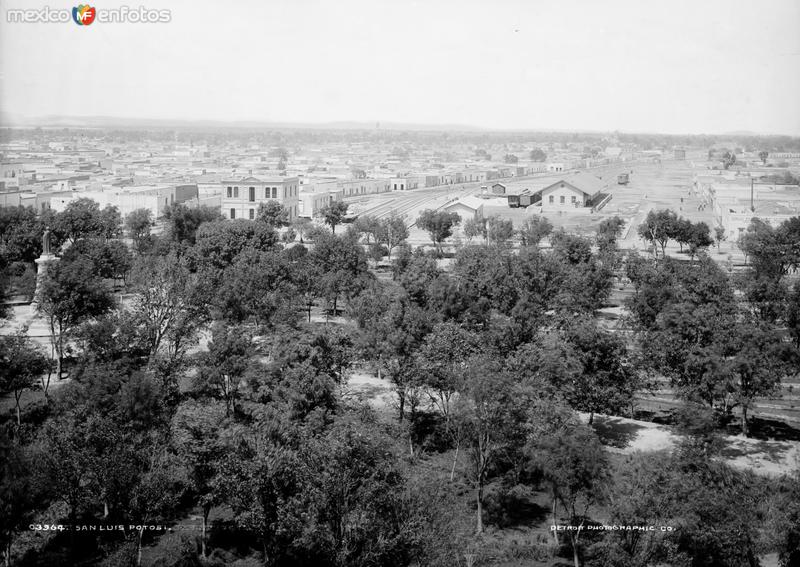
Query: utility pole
[[752, 207]]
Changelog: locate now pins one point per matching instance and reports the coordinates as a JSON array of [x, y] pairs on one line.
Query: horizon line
[[63, 121]]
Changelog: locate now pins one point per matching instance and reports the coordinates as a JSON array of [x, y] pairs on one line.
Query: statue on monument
[[43, 262], [46, 242]]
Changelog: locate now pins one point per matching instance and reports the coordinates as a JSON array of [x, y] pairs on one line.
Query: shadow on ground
[[768, 429], [770, 451], [614, 432]]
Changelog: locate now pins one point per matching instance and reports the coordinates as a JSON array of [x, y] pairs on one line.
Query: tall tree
[[225, 364], [273, 214], [439, 225], [21, 366], [534, 229], [575, 465], [83, 218], [606, 382], [492, 409], [761, 361], [264, 486], [340, 265], [21, 234], [183, 222], [198, 440], [138, 224], [538, 155], [258, 287], [333, 214], [70, 294], [169, 304], [219, 243], [608, 231], [19, 495], [498, 230], [658, 227], [392, 231]]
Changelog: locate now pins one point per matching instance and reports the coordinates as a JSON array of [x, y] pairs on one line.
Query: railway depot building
[[241, 198], [574, 191]]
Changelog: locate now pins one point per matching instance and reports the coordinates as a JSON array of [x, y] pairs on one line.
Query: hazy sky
[[676, 66]]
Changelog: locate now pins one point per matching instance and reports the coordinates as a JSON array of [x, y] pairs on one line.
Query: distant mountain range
[[54, 121], [57, 121]]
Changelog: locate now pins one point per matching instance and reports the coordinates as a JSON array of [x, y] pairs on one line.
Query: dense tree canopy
[[231, 390]]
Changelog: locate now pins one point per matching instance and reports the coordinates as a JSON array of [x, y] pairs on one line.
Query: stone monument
[[43, 263]]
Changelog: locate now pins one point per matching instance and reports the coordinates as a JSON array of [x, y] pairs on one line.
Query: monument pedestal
[[43, 262]]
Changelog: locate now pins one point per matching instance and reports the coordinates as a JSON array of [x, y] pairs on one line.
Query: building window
[[266, 192], [552, 199], [233, 213], [561, 199], [274, 192], [230, 192], [235, 192], [252, 214], [574, 199], [252, 194]]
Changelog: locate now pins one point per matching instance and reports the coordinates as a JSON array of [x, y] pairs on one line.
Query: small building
[[403, 183], [498, 189], [679, 153], [571, 191], [524, 199], [313, 200], [466, 207], [156, 198]]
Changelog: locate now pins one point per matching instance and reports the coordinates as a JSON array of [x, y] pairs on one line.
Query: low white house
[[466, 207], [571, 191], [156, 198]]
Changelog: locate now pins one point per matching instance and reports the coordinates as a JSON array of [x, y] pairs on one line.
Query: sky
[[677, 66]]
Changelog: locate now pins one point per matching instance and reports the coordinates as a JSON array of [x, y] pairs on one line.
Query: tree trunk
[[206, 512], [8, 553], [555, 521], [575, 557], [745, 430], [139, 548], [591, 417], [455, 460], [60, 357], [16, 408], [226, 395], [401, 398], [479, 501], [46, 383], [105, 509]]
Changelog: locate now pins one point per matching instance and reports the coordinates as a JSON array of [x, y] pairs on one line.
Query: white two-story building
[[241, 197]]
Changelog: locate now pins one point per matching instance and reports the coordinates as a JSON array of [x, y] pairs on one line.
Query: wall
[[568, 193]]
